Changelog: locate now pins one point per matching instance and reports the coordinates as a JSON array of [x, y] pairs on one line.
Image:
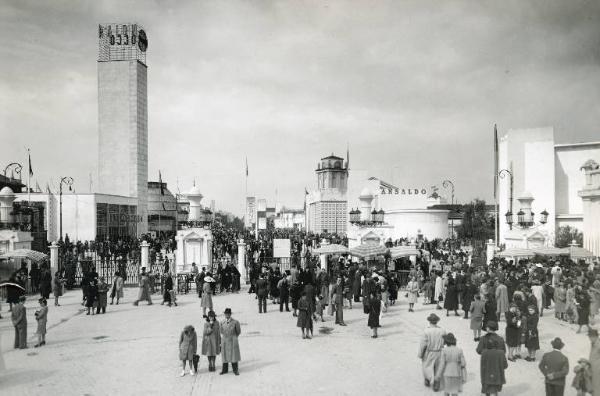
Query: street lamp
[[502, 174], [446, 184], [16, 169], [67, 180], [374, 216], [380, 216]]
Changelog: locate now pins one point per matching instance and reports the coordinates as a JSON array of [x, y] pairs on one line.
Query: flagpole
[[29, 178]]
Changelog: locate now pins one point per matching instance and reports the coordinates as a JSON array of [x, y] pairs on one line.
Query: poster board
[[281, 248]]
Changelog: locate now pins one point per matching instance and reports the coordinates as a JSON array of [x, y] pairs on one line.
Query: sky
[[413, 88]]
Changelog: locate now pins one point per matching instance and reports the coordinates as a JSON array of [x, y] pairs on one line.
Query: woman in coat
[[91, 294], [492, 366], [571, 308], [211, 340], [356, 282], [304, 317], [102, 296], [167, 290], [513, 331], [206, 301], [188, 342], [477, 310], [41, 316], [57, 288], [45, 282], [560, 301], [468, 296], [490, 308], [451, 299], [438, 291], [374, 311], [412, 290], [532, 339], [582, 301], [117, 289], [452, 369]]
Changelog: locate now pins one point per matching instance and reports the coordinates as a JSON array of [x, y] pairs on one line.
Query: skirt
[[476, 322], [489, 388], [452, 384]]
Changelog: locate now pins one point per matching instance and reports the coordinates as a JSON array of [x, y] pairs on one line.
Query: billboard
[[250, 218], [262, 223], [281, 248]]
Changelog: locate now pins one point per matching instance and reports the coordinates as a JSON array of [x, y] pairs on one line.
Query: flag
[[163, 205], [37, 187], [162, 190], [48, 188], [30, 168], [305, 191], [246, 166], [347, 156], [495, 162]]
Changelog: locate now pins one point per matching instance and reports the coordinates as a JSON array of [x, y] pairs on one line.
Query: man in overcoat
[[262, 291], [230, 348], [430, 350], [19, 321], [144, 291], [555, 367]]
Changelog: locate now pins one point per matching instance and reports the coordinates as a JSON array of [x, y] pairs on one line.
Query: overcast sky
[[414, 88]]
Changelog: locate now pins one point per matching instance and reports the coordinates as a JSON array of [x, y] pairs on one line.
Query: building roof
[[332, 157], [15, 184]]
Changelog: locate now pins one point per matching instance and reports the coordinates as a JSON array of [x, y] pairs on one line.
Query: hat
[[491, 325], [433, 318], [208, 279], [539, 265], [212, 313], [557, 343], [227, 311]]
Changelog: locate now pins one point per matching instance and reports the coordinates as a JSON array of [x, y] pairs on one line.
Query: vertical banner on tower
[[250, 219], [261, 214]]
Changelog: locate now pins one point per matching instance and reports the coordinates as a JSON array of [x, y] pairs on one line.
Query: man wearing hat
[[262, 292], [430, 350], [19, 321], [555, 367], [230, 348]]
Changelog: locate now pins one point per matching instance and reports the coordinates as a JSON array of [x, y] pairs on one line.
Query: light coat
[[501, 298], [206, 301], [188, 344], [42, 319], [430, 350], [211, 339], [230, 348]]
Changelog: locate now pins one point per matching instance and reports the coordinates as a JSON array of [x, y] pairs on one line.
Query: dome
[[194, 191], [366, 192], [526, 195], [7, 191]]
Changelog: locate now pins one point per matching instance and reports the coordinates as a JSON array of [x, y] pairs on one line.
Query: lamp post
[[16, 169], [502, 174], [446, 184], [67, 180]]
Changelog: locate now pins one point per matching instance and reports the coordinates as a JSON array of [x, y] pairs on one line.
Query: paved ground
[[133, 350]]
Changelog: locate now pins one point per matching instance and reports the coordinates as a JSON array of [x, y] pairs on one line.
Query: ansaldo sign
[[402, 191]]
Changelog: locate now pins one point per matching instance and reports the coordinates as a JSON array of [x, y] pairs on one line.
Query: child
[[188, 342], [42, 318], [532, 341], [320, 307]]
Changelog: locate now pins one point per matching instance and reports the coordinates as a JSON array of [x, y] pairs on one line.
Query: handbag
[[195, 361]]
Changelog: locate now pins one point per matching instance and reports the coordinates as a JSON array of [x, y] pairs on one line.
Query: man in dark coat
[[555, 367], [45, 282], [284, 294], [338, 300], [19, 321], [262, 291]]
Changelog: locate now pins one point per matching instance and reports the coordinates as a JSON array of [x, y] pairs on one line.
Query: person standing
[[582, 301], [560, 301], [451, 299], [412, 289], [45, 281], [117, 289], [453, 366], [91, 295], [492, 366], [555, 367], [477, 310], [595, 360], [513, 331], [430, 350], [304, 317], [168, 287], [57, 287], [501, 300], [338, 301], [374, 312], [262, 292], [144, 288], [102, 296], [206, 300], [230, 348], [438, 290], [19, 321], [188, 341], [211, 340], [491, 328], [538, 291], [41, 316]]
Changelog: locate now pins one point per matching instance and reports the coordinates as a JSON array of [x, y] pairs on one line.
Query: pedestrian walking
[[206, 301], [57, 287], [412, 291], [477, 310], [501, 300], [117, 288], [262, 292], [451, 298], [187, 348], [582, 302], [452, 371], [304, 317], [19, 321], [211, 340], [555, 367], [491, 328], [430, 350], [532, 339], [102, 295], [144, 288], [284, 294], [230, 348], [560, 301], [374, 312], [338, 301], [41, 316]]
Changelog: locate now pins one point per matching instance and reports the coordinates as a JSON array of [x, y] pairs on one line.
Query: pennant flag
[[246, 166], [30, 168], [162, 190], [347, 156], [37, 187], [495, 162], [48, 188], [305, 191]]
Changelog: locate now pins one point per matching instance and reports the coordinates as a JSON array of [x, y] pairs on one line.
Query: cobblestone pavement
[[133, 350]]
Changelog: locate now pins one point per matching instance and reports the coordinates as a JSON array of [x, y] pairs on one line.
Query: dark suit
[[19, 321], [262, 291], [557, 364]]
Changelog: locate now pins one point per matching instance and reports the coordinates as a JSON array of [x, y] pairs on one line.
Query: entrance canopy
[[32, 255], [368, 250], [331, 249]]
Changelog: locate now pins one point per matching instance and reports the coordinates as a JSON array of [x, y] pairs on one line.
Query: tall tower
[[332, 174], [123, 114]]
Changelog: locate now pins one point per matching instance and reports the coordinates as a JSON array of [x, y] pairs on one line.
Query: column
[[489, 251], [145, 247], [323, 258], [241, 261], [53, 258]]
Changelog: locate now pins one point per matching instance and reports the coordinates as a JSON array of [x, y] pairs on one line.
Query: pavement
[[134, 350]]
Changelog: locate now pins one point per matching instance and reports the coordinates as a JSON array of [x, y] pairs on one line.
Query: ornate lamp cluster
[[376, 218]]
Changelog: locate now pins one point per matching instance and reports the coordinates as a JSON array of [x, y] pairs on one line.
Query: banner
[[281, 248]]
